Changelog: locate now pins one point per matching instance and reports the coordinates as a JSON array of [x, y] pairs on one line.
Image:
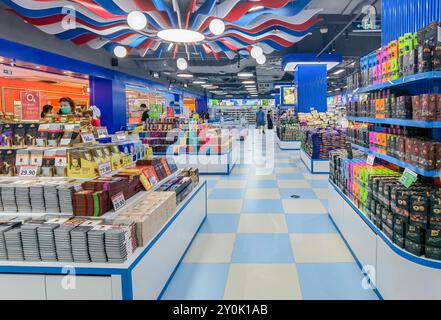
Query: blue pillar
[[110, 97], [312, 86]]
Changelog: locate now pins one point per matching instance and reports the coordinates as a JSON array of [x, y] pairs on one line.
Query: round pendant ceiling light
[[181, 36], [217, 27], [136, 20], [261, 59], [256, 52], [120, 51], [182, 64]]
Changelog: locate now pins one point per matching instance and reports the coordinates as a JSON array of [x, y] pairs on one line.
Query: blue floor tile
[[262, 184], [227, 193], [332, 281], [211, 183], [262, 206], [290, 176], [325, 203], [318, 183], [235, 177], [198, 281], [303, 193], [284, 165], [262, 248], [221, 223], [310, 223]]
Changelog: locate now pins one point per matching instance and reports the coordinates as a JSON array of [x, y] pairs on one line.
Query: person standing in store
[[47, 110], [67, 106], [96, 116], [269, 120], [145, 113], [260, 120]]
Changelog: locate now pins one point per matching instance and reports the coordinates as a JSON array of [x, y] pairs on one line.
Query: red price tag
[[119, 201]]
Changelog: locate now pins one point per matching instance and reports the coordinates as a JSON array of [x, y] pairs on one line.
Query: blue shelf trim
[[420, 77], [312, 163], [400, 122], [402, 253], [425, 173]]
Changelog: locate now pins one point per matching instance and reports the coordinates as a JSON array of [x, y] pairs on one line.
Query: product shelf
[[399, 122], [419, 77], [422, 172]]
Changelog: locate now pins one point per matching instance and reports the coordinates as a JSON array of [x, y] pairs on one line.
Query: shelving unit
[[404, 81], [399, 122]]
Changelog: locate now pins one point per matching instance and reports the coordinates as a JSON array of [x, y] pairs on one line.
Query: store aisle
[[259, 242]]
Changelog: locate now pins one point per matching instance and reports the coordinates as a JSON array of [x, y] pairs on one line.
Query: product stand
[[210, 164], [315, 166], [288, 145], [396, 273], [144, 276]]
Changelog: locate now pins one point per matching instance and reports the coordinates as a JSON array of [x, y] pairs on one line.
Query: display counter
[[143, 277], [288, 145], [396, 273], [315, 166]]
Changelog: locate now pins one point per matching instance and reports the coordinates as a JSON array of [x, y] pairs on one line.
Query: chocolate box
[[414, 248]]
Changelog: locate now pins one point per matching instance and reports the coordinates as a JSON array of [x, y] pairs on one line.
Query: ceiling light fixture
[[256, 8], [184, 75], [256, 52], [339, 71], [136, 20], [249, 82], [217, 27], [261, 60], [120, 51], [245, 74], [199, 82], [182, 64], [181, 36]]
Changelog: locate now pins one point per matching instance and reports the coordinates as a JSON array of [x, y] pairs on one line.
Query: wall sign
[[30, 105]]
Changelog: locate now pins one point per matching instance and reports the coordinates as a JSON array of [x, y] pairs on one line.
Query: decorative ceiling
[[273, 25]]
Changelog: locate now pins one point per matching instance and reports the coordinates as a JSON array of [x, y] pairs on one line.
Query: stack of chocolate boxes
[[410, 217]]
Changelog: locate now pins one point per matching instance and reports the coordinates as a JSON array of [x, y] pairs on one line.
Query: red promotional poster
[[170, 112], [30, 105]]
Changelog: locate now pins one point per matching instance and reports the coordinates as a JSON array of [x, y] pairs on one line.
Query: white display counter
[[314, 166], [143, 277], [210, 164], [288, 145], [396, 273]]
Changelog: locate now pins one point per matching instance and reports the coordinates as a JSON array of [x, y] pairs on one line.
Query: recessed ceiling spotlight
[[181, 36], [245, 74], [261, 60], [324, 29], [184, 75], [120, 51], [137, 20], [217, 27], [256, 52], [182, 64]]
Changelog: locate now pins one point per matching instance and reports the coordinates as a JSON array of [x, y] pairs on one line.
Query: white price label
[[370, 160], [28, 171], [105, 168], [60, 161], [87, 137], [102, 132], [118, 201], [121, 137]]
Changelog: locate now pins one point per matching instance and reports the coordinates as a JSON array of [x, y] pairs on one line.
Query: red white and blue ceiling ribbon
[[103, 23]]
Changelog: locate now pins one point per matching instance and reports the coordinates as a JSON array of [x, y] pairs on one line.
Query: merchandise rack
[[144, 276], [399, 122], [315, 166], [404, 81], [425, 173], [396, 273]]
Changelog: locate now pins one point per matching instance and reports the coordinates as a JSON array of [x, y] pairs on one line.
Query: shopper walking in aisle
[[145, 113], [260, 120], [269, 120]]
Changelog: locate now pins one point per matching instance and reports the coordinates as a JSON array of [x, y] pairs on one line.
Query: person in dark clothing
[[47, 109], [260, 120], [269, 118], [145, 113]]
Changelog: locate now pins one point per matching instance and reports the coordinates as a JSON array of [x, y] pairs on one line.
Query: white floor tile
[[299, 184], [227, 184], [262, 223], [310, 176], [319, 248], [301, 206], [262, 282], [262, 193], [286, 170], [322, 193], [224, 206], [211, 248]]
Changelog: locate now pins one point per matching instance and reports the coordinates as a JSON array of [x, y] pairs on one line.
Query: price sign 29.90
[[119, 201]]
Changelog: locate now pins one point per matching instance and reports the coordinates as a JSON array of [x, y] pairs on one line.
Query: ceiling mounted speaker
[[114, 62]]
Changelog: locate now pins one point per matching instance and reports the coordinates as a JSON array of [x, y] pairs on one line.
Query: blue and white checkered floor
[[260, 243]]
